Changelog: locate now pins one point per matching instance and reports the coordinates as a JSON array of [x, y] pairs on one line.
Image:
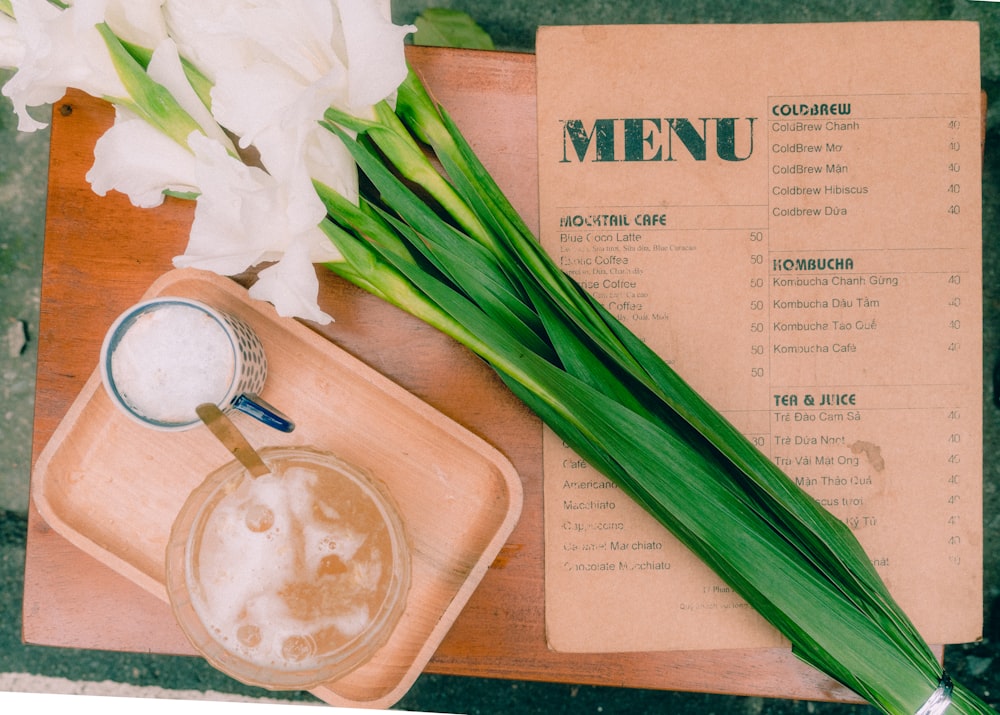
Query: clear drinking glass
[[291, 579]]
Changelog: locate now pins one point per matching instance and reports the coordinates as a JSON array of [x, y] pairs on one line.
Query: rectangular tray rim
[[488, 452]]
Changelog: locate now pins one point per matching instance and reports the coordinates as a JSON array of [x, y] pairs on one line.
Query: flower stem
[[149, 99]]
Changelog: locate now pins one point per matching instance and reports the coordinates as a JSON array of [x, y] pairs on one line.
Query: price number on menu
[[954, 164], [954, 480], [756, 312]]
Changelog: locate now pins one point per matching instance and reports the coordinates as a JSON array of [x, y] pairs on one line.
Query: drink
[[171, 359], [292, 578], [165, 356]]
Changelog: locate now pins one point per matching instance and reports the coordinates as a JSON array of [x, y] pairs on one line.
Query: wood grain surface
[[101, 255]]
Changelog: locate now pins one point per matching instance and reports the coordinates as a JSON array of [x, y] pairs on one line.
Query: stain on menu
[[791, 216]]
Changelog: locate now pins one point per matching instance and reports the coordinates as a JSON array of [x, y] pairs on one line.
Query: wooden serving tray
[[113, 488]]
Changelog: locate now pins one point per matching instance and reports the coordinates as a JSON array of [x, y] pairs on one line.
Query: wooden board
[[101, 254]]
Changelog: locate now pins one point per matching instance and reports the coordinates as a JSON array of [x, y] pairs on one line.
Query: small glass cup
[[291, 579], [163, 357]]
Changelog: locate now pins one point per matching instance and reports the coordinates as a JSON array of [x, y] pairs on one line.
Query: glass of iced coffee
[[290, 579]]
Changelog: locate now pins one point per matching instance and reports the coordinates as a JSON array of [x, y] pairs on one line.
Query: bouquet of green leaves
[[303, 138]]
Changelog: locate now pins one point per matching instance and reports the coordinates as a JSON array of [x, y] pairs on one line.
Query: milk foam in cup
[[291, 579], [164, 357]]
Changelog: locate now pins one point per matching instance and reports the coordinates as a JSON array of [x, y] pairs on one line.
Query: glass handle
[[259, 409]]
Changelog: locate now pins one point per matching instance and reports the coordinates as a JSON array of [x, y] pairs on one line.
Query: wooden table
[[100, 256]]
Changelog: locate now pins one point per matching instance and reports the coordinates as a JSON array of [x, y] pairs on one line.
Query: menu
[[791, 216]]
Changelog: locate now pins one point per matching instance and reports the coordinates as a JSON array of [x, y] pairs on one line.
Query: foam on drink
[[170, 360], [291, 566]]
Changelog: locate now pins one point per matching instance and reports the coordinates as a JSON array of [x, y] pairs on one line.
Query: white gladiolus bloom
[[60, 49], [374, 52], [138, 160], [134, 158], [207, 32], [275, 68], [278, 67], [55, 49], [244, 217], [291, 285], [140, 22]]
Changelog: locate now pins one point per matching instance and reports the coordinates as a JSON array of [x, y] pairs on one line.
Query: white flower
[[207, 33], [138, 160], [278, 67], [328, 161], [291, 284], [374, 52], [55, 49], [348, 47], [244, 217], [134, 158], [140, 22], [280, 120], [275, 68], [61, 49]]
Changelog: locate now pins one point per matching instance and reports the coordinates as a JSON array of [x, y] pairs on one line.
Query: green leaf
[[454, 254], [624, 410], [443, 27]]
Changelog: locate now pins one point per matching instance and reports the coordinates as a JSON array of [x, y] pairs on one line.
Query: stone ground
[[512, 24]]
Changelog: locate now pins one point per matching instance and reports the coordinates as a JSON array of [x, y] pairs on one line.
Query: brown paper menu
[[791, 215]]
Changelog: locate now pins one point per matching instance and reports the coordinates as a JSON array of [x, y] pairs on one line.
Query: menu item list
[[790, 215]]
